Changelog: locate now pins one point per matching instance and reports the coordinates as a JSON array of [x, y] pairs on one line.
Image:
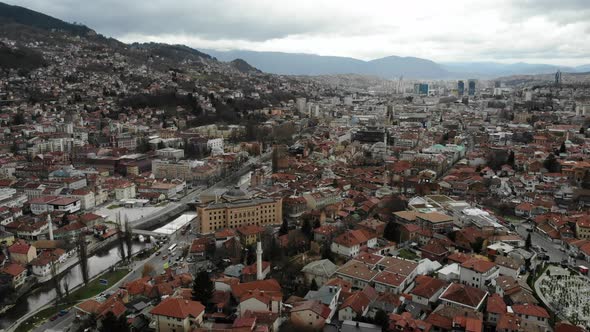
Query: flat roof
[[176, 224]]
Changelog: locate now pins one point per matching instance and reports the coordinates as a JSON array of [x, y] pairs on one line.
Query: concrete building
[[170, 153], [236, 208]]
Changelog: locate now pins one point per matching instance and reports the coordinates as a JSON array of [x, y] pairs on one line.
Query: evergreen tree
[[551, 163], [477, 246], [314, 285], [391, 232], [327, 252], [202, 288], [381, 319], [284, 227], [111, 323], [510, 160], [306, 228], [582, 130], [529, 242], [562, 148]]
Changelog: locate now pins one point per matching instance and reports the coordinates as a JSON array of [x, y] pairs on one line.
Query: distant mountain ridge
[[388, 67], [311, 64], [301, 63]]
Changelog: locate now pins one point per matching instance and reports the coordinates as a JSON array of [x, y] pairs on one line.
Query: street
[[551, 249]]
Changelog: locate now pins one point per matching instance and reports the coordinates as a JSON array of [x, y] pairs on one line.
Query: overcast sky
[[540, 31]]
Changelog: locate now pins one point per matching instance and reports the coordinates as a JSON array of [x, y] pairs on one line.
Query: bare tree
[[83, 258], [147, 270], [55, 281], [128, 236], [66, 284], [120, 239]]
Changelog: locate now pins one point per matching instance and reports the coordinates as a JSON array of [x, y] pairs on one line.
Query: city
[[155, 187]]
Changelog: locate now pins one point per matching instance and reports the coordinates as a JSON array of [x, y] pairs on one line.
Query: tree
[[551, 164], [284, 227], [306, 228], [202, 288], [529, 242], [562, 148], [582, 130], [327, 252], [18, 119], [477, 246], [55, 280], [120, 238], [210, 249], [111, 323], [314, 285], [381, 319], [128, 237], [391, 232], [83, 258], [510, 160], [147, 270], [66, 284]]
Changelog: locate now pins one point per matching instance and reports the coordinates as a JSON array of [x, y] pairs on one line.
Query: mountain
[[395, 66], [177, 52], [495, 69], [243, 66], [291, 63], [388, 67], [311, 64], [24, 16]]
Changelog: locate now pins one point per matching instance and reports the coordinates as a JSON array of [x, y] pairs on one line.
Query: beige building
[[22, 252], [166, 169], [235, 209]]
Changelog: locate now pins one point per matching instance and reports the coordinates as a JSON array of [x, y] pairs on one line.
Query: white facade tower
[[259, 261], [50, 227]]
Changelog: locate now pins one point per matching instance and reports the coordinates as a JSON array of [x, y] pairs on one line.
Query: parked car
[[56, 316], [157, 253], [63, 312]]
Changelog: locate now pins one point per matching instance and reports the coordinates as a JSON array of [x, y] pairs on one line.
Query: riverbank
[[43, 296], [93, 288]]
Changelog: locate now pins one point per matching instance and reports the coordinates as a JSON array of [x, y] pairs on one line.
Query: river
[[41, 296]]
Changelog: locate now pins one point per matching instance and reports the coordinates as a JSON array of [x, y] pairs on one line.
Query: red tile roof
[[463, 294], [496, 304], [13, 269], [178, 308], [478, 265], [530, 309], [19, 247]]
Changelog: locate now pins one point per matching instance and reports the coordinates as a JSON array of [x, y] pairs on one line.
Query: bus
[[172, 248]]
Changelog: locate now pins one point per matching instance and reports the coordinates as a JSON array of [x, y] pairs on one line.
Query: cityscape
[[172, 182]]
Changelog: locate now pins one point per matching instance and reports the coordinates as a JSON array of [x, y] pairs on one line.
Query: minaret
[[259, 261], [50, 227]]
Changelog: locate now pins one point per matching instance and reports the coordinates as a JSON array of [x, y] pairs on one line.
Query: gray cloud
[[207, 19], [462, 30]]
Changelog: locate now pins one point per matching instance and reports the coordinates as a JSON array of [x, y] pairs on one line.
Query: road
[[192, 195], [62, 323], [551, 249]]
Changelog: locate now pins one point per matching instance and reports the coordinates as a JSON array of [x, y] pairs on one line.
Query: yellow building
[[235, 209], [583, 229], [6, 238]]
